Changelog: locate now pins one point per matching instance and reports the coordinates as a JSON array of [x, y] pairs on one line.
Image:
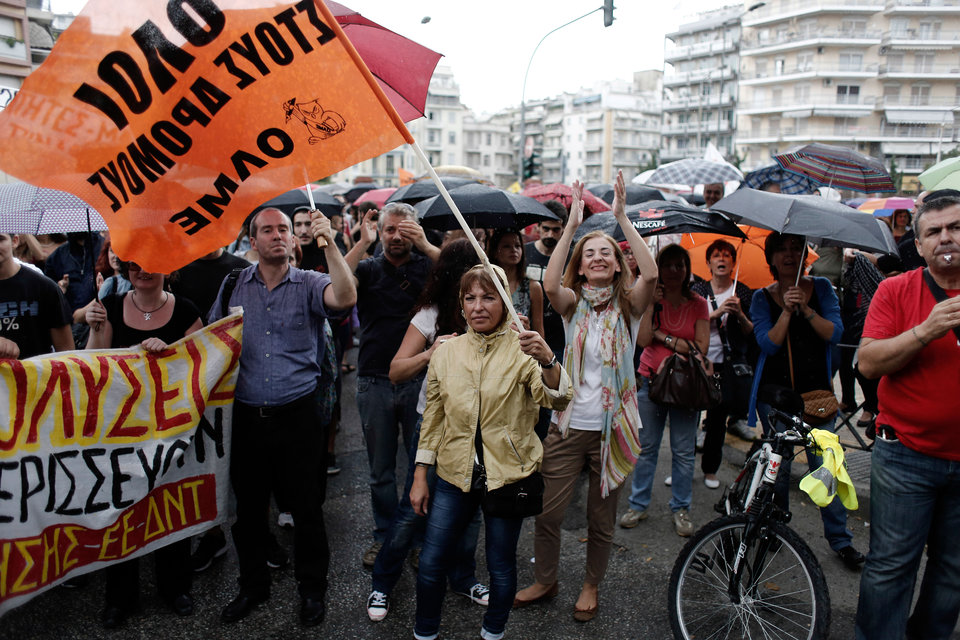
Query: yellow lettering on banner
[[177, 503], [192, 488], [153, 517], [107, 540], [4, 567], [67, 561], [28, 563], [124, 549], [51, 550]]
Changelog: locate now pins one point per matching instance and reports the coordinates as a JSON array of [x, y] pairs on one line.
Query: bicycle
[[747, 574]]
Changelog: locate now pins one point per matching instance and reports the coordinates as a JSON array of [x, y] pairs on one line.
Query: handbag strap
[[721, 330], [938, 294], [790, 362]]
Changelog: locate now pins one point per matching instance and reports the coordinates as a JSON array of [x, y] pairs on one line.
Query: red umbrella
[[376, 196], [402, 67], [564, 194]]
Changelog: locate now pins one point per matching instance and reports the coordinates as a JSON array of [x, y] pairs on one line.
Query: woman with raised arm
[[601, 309], [150, 317]]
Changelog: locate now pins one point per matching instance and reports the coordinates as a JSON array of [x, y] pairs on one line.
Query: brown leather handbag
[[819, 405], [684, 382]]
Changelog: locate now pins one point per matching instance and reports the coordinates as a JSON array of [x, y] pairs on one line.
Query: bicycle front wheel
[[781, 593]]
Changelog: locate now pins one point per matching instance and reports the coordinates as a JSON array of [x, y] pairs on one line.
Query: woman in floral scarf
[[601, 313]]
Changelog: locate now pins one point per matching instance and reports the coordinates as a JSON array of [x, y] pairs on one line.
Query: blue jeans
[[834, 515], [914, 499], [387, 411], [683, 442], [404, 529], [449, 516]]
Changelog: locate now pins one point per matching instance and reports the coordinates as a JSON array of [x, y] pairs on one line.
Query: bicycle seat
[[783, 398]]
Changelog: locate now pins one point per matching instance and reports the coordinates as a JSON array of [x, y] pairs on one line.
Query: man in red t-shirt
[[909, 339]]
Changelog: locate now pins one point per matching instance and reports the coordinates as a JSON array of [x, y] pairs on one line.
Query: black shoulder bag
[[518, 499]]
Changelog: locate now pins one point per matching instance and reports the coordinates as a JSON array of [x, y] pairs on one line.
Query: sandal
[[347, 368]]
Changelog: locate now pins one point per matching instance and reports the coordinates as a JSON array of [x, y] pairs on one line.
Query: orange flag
[[405, 177], [176, 118]]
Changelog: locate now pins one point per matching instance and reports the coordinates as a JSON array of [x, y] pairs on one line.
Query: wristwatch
[[668, 341], [550, 365]]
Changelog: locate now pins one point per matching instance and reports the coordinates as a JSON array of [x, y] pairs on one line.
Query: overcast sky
[[488, 44]]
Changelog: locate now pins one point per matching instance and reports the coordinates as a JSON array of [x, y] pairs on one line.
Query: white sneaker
[[711, 483], [489, 635], [742, 431], [285, 520], [378, 603], [668, 481]]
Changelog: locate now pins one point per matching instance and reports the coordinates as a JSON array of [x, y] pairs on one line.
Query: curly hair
[[573, 279], [443, 286]]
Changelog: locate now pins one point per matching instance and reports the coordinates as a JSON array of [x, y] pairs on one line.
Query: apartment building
[[700, 85], [881, 76]]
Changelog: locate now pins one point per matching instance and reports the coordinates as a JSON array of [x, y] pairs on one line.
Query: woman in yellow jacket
[[490, 379]]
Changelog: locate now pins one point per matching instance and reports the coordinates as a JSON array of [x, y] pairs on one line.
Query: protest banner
[[108, 455], [176, 118]]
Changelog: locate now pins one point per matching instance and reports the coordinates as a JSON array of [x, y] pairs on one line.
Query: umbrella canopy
[[25, 208], [402, 67], [290, 201], [376, 196], [818, 219], [751, 268], [483, 206], [636, 193], [943, 175], [455, 171], [423, 189], [882, 207], [837, 167], [789, 182], [564, 195], [691, 171], [659, 217], [358, 190]]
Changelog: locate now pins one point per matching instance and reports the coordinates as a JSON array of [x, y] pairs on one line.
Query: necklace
[[148, 314]]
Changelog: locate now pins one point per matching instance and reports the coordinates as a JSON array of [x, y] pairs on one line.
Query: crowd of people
[[491, 415]]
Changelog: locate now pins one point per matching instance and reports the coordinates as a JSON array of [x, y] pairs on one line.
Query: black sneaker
[[276, 555], [212, 547]]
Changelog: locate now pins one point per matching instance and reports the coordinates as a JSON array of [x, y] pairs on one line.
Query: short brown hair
[[479, 275]]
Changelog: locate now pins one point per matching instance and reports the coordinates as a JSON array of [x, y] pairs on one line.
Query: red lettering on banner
[[196, 365], [59, 376], [20, 403], [28, 564], [223, 332], [161, 396], [93, 389], [117, 430]]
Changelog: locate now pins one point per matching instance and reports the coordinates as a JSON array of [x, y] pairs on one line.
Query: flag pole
[[469, 233], [321, 241]]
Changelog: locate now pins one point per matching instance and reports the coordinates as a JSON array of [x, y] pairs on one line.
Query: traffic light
[[607, 12], [531, 166]]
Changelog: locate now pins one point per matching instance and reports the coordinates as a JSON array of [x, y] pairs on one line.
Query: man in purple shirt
[[276, 430]]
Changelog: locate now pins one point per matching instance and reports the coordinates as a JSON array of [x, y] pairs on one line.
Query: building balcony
[[699, 75], [699, 49], [836, 37], [919, 39], [753, 78], [916, 101], [704, 126], [829, 105], [667, 154], [920, 71], [697, 102], [922, 7], [835, 132], [789, 9]]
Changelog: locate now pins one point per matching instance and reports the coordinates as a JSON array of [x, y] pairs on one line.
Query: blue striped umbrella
[[793, 184]]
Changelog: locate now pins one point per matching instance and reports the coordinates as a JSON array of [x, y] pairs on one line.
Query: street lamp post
[[523, 93]]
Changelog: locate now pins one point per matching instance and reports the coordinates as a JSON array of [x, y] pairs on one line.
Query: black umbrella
[[657, 217], [636, 193], [817, 219], [423, 189], [295, 199], [482, 206], [358, 190]]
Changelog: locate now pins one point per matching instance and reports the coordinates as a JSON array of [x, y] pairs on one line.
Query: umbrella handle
[[321, 242]]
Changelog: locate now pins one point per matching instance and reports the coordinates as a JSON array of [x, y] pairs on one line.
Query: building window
[[851, 61], [899, 27], [390, 164], [853, 27], [805, 61], [894, 62], [486, 159], [801, 92], [923, 62], [844, 126], [452, 117], [432, 136], [848, 94], [452, 137], [920, 94], [891, 94], [429, 115]]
